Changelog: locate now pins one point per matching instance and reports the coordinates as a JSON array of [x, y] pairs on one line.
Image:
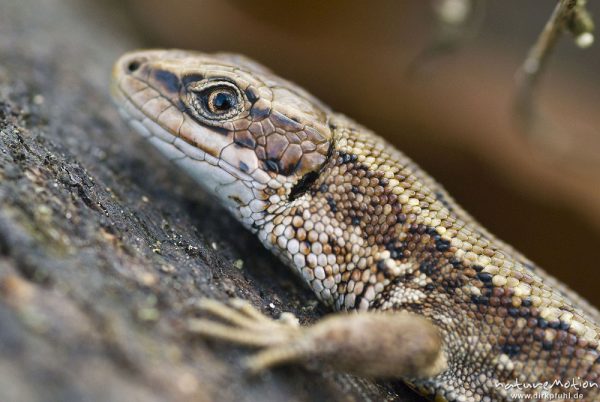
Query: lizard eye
[[216, 100]]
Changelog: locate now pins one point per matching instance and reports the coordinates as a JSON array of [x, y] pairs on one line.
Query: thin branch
[[568, 15]]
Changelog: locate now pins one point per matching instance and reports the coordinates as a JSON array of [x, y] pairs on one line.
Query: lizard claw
[[239, 322]]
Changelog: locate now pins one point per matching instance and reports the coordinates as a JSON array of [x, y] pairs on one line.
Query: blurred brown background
[[454, 117]]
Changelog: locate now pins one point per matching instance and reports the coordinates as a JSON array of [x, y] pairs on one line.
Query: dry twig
[[570, 15]]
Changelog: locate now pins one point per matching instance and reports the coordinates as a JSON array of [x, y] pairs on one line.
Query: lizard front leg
[[368, 344]]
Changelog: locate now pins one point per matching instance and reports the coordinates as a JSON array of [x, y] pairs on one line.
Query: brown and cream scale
[[438, 300]]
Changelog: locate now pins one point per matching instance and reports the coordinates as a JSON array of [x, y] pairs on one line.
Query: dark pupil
[[222, 101]]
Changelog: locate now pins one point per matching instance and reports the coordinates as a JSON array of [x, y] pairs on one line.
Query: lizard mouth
[[215, 175], [156, 115]]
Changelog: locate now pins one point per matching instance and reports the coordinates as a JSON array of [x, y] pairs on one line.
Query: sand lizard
[[440, 302]]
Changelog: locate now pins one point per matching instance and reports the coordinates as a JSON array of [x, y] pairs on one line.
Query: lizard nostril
[[133, 66]]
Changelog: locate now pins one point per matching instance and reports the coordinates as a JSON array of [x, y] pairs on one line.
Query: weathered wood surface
[[105, 247]]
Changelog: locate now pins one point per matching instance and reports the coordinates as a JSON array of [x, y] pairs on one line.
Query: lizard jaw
[[216, 175], [210, 156]]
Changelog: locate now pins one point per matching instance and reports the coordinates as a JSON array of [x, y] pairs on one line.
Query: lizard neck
[[361, 224]]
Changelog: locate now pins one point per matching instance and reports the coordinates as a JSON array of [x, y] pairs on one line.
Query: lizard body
[[442, 303]]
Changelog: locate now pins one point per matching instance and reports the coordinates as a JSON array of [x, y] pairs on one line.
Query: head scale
[[246, 135]]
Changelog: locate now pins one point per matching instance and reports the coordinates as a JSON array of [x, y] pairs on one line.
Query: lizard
[[421, 291]]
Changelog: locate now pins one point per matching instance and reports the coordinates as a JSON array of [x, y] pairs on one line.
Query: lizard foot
[[239, 322], [369, 344]]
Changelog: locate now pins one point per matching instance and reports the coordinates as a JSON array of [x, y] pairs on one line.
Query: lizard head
[[247, 136]]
